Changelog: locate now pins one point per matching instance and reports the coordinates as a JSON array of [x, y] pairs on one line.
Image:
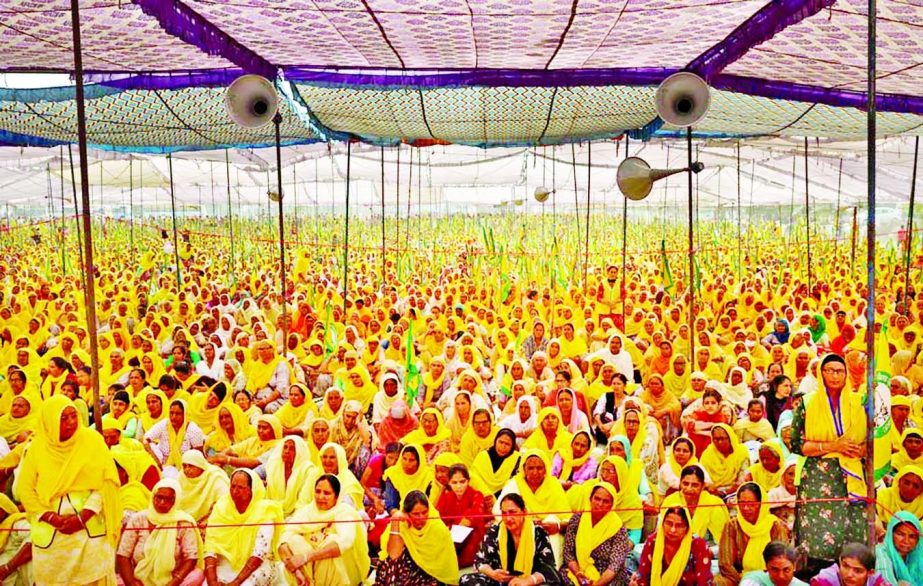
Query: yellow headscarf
[[232, 534], [901, 459], [549, 498], [538, 441], [159, 561], [760, 534], [134, 495], [349, 485], [674, 572], [219, 440], [53, 468], [764, 478], [10, 428], [671, 459], [147, 422], [676, 384], [293, 417], [525, 553], [711, 513], [723, 470], [12, 517], [261, 373], [889, 499], [277, 489], [428, 547], [403, 482], [175, 458], [590, 536], [199, 494], [569, 462], [419, 437], [483, 469], [472, 444], [253, 446]]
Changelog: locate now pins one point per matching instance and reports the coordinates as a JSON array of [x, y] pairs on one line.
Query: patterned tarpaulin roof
[[479, 72]]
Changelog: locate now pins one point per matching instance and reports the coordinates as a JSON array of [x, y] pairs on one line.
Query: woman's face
[[749, 506], [550, 424], [601, 501], [163, 500], [462, 405], [512, 516], [910, 487], [710, 405], [241, 493], [265, 431], [320, 431], [177, 415], [722, 441], [516, 370], [288, 452], [691, 487], [324, 497], [674, 528], [565, 402], [118, 407], [226, 421], [525, 411], [632, 424], [430, 424], [190, 471], [906, 538], [20, 408], [296, 397], [459, 484], [580, 445], [681, 453], [534, 471], [410, 462], [503, 445], [655, 386], [328, 460], [242, 401], [418, 516]]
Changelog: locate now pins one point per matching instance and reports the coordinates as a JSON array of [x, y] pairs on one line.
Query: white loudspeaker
[[635, 177], [251, 101], [682, 99]]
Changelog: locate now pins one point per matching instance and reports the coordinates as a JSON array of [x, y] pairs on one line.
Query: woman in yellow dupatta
[[674, 555], [433, 379], [494, 467], [550, 436], [747, 535], [409, 474], [169, 532], [203, 406], [725, 459], [231, 426], [22, 418], [597, 525], [202, 485], [432, 435], [359, 386], [414, 548], [325, 541], [829, 429], [68, 485], [333, 461], [155, 403], [767, 472], [706, 512], [910, 451], [15, 546], [246, 453], [241, 538], [904, 494], [543, 495], [294, 413], [287, 472], [677, 379]]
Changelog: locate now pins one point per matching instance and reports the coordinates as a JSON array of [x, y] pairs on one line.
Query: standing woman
[[829, 431], [68, 485]]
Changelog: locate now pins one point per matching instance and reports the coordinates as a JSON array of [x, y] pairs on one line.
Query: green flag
[[667, 275], [413, 379]]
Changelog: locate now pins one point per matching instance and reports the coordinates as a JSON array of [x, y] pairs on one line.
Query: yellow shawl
[[901, 459], [890, 501], [403, 482], [277, 489], [724, 470], [200, 493], [428, 547], [764, 478], [760, 534], [525, 554], [159, 561], [232, 534], [538, 441], [590, 536], [219, 440], [293, 417], [819, 426], [549, 498], [674, 572], [711, 513], [419, 437], [12, 517], [253, 446]]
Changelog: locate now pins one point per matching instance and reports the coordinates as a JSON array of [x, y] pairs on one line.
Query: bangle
[[398, 533]]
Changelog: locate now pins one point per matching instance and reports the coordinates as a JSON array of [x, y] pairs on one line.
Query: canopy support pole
[[397, 209], [624, 243], [70, 156], [836, 223], [807, 214], [586, 246], [89, 290], [63, 217], [383, 257], [277, 121], [227, 170], [349, 160], [409, 197], [740, 260], [689, 179], [131, 206], [870, 262], [855, 232], [573, 162], [913, 193], [179, 274]]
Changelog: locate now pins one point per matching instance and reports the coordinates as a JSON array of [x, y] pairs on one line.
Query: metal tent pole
[[624, 243], [227, 168], [179, 274], [89, 290], [349, 159], [277, 121], [913, 193], [807, 213], [689, 179], [871, 133]]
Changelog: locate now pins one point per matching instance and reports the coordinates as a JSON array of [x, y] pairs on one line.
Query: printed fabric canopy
[[472, 72]]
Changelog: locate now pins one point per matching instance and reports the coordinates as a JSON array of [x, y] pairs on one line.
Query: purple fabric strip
[[172, 81], [483, 78], [767, 22], [783, 90], [191, 27]]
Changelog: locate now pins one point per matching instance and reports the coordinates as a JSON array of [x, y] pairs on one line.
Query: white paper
[[460, 533]]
